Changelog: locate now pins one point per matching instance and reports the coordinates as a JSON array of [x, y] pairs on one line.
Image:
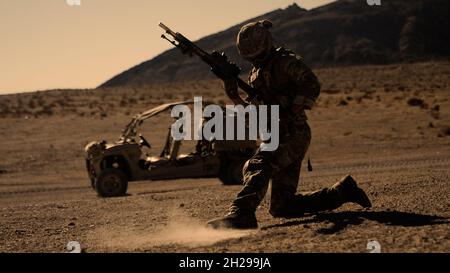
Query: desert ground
[[388, 126]]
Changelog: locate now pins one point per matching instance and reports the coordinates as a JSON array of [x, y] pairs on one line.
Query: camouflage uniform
[[285, 79], [281, 78]]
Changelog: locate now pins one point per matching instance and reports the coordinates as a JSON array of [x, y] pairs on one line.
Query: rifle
[[219, 63]]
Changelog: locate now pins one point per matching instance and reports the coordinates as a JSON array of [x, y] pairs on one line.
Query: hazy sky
[[46, 44]]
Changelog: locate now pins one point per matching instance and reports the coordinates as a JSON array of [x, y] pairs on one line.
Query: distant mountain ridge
[[345, 32]]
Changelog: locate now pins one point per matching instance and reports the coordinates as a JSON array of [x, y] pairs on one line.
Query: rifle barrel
[[190, 48], [166, 28]]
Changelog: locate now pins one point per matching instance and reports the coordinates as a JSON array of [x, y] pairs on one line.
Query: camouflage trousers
[[282, 167]]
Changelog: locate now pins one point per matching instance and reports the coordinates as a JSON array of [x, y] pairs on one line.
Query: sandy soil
[[386, 125]]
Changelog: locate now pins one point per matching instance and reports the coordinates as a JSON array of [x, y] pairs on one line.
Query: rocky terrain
[[345, 32], [387, 125]]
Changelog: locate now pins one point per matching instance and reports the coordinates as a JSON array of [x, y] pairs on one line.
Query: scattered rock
[[20, 231], [445, 131], [415, 102], [367, 95], [343, 103], [435, 110], [431, 125], [71, 224]]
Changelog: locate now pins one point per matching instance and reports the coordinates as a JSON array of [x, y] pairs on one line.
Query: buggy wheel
[[91, 174], [111, 183]]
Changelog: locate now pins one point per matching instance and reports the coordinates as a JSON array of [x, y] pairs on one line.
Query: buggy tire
[[111, 183]]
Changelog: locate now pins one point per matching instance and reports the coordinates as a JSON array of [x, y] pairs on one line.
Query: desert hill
[[346, 32]]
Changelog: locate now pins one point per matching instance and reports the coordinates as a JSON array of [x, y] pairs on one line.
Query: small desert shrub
[[342, 102], [47, 110], [168, 95], [31, 104]]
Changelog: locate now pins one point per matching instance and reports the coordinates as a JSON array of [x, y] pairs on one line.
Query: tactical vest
[[273, 86]]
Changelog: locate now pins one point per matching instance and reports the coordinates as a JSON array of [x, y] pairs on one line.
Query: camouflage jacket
[[285, 80]]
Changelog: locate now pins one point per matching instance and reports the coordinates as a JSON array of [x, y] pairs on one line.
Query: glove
[[231, 87], [253, 100]]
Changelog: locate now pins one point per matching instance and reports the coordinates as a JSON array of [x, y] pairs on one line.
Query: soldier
[[281, 78]]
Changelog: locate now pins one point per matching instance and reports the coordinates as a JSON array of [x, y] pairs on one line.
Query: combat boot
[[235, 220], [349, 191]]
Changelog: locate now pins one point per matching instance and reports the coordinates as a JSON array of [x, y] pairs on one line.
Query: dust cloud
[[180, 229]]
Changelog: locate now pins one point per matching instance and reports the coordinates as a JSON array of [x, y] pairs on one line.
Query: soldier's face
[[260, 59]]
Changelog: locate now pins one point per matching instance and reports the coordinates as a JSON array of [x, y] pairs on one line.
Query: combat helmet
[[254, 39]]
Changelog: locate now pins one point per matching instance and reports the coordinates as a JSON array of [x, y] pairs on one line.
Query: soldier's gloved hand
[[253, 100], [231, 86]]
